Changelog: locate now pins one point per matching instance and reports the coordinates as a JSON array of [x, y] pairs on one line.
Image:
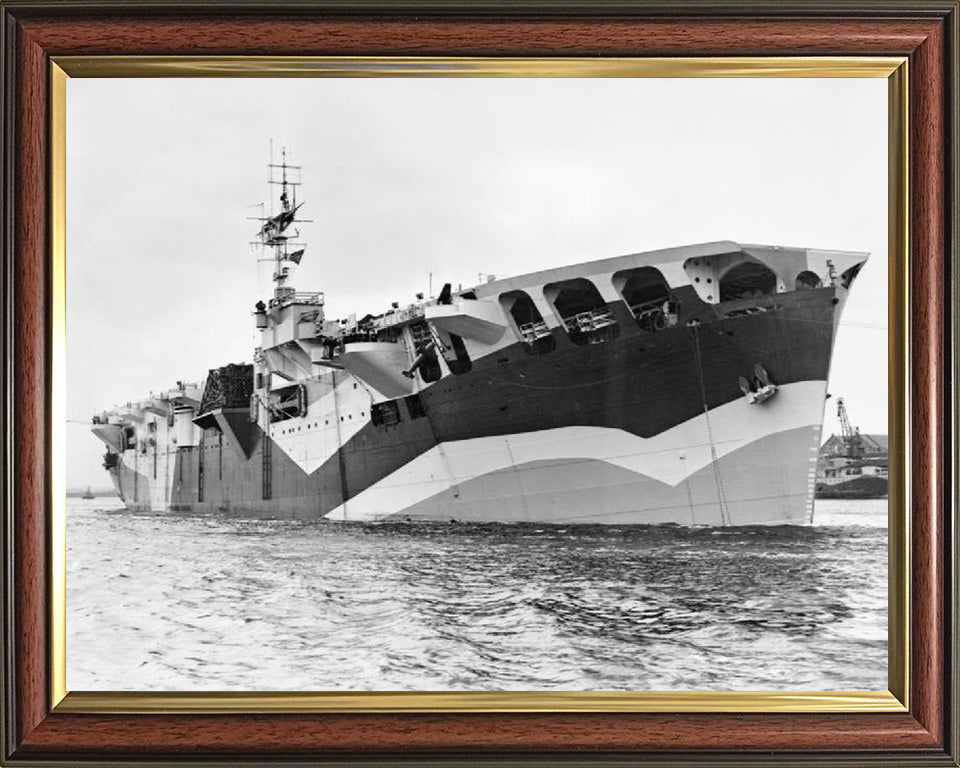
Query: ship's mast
[[275, 231]]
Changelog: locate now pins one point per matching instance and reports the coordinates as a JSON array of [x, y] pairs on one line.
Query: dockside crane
[[852, 441]]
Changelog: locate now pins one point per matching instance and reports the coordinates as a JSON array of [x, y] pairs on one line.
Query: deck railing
[[592, 320], [530, 332], [297, 297]]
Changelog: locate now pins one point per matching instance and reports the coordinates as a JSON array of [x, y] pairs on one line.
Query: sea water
[[208, 603]]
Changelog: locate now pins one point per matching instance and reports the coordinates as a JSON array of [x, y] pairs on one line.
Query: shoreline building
[[852, 465]]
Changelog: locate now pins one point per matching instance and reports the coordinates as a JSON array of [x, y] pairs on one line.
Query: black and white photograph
[[477, 384]]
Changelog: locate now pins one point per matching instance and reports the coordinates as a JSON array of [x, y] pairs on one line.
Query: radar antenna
[[276, 232]]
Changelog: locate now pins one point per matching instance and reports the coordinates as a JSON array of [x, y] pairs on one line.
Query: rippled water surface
[[182, 603]]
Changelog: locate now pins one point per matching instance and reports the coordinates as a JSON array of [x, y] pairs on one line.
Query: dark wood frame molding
[[926, 32]]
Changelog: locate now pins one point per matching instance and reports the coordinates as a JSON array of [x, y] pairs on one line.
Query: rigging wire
[[686, 485], [843, 323], [698, 356]]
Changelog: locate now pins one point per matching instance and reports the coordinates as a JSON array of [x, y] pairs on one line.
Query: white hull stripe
[[669, 457], [331, 421]]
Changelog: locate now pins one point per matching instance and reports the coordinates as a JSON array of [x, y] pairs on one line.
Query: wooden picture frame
[[40, 727]]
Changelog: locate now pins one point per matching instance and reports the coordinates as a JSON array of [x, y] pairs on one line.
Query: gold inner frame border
[[895, 699]]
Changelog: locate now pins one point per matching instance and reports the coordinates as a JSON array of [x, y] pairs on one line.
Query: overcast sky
[[404, 177]]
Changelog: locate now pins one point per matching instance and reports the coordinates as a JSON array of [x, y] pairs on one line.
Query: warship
[[684, 385]]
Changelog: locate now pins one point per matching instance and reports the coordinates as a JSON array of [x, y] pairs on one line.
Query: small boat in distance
[[88, 494]]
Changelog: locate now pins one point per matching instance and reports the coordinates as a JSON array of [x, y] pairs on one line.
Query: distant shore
[[78, 492]]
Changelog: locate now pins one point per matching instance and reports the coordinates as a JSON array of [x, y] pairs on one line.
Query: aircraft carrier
[[684, 385]]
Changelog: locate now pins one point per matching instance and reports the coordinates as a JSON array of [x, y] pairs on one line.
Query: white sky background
[[404, 177]]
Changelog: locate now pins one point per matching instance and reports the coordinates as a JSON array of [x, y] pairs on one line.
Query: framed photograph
[[462, 383]]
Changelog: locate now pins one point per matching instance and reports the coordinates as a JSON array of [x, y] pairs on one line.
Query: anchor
[[760, 389]]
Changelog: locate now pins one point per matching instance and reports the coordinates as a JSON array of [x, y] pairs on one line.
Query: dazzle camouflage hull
[[607, 432], [678, 386]]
